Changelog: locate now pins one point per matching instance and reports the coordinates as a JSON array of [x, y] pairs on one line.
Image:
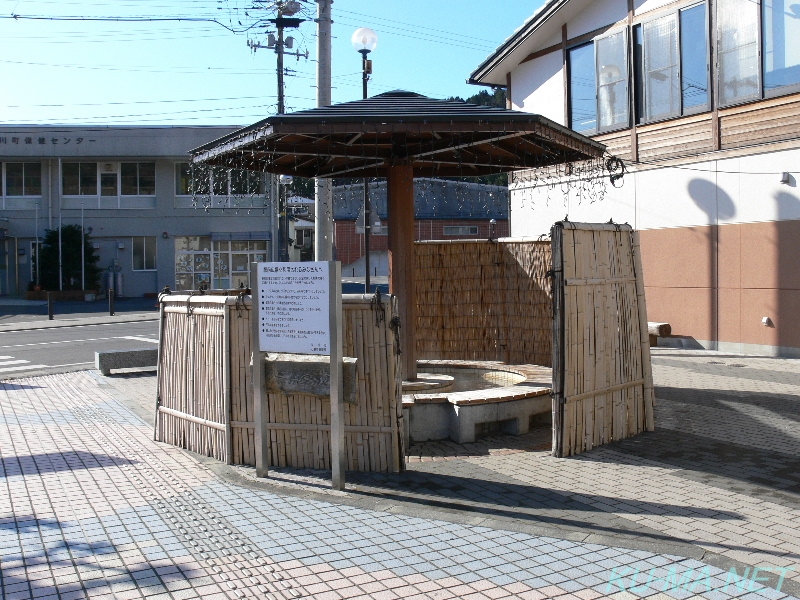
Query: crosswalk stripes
[[6, 363]]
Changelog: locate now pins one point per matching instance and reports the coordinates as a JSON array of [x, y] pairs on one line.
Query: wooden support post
[[259, 410], [338, 457], [400, 183]]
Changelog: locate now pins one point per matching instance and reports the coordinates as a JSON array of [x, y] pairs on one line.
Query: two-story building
[[701, 99], [152, 220]]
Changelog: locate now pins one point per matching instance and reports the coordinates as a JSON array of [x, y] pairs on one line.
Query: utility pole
[[283, 20], [323, 202]]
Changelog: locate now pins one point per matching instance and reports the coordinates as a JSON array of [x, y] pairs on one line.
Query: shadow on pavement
[[55, 462]]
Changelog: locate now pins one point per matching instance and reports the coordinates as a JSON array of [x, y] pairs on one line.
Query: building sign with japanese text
[[294, 307]]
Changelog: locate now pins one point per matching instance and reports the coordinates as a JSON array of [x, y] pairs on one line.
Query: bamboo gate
[[602, 380], [205, 394]]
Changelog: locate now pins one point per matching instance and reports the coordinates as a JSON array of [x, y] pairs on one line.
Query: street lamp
[[365, 40]]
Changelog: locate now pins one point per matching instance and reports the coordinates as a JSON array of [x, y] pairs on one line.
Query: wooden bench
[[657, 330]]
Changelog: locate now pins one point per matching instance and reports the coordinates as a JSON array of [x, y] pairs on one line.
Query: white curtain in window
[[737, 45], [662, 87], [612, 81]]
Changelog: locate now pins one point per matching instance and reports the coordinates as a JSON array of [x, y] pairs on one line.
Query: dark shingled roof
[[433, 199], [362, 138]]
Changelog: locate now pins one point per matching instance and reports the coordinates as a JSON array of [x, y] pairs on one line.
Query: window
[[694, 58], [138, 179], [79, 179], [737, 49], [183, 179], [671, 65], [659, 73], [460, 230], [144, 253], [199, 179], [612, 81], [583, 89], [598, 82], [780, 35], [23, 179]]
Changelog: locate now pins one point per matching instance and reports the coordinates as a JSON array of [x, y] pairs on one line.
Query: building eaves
[[479, 75]]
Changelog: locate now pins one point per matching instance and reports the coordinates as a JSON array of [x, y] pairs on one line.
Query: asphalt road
[[61, 349]]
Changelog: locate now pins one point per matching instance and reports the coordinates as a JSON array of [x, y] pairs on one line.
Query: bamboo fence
[[482, 300], [603, 389], [195, 416]]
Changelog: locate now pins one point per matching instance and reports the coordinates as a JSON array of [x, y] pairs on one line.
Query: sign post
[[297, 309]]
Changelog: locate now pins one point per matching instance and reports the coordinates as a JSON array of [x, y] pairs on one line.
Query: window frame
[[718, 71], [451, 227], [4, 172], [627, 34], [96, 164], [783, 90], [638, 88], [143, 241]]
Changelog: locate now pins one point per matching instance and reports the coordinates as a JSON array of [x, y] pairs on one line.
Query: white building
[[702, 102], [131, 188]]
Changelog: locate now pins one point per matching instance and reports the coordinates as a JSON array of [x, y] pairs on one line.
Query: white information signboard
[[294, 307]]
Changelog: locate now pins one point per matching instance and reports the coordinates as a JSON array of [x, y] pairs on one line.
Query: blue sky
[[200, 73]]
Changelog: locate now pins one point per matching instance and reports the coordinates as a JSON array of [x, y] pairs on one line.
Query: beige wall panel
[[643, 6], [597, 14], [537, 86]]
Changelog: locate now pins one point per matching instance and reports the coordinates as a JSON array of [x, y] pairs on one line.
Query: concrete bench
[[125, 359], [457, 415]]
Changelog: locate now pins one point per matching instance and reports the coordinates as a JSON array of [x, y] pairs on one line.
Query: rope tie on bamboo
[[240, 305], [189, 307], [394, 325], [377, 308]]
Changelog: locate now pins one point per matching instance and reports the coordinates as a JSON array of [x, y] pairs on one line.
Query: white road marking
[[11, 362], [125, 337], [26, 367], [139, 339]]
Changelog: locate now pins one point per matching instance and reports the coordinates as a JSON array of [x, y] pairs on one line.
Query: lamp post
[[283, 214], [365, 40]]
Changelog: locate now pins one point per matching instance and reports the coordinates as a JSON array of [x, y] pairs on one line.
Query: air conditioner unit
[[109, 167]]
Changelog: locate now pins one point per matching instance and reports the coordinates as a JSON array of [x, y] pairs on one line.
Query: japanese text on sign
[[294, 307]]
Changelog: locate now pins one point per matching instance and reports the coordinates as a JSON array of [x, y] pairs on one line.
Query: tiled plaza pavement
[[91, 507]]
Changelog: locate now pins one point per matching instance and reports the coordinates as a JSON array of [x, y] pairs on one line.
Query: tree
[[496, 99], [70, 260]]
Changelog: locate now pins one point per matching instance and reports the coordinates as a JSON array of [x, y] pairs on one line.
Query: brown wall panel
[[730, 315], [758, 303], [687, 310], [729, 265], [757, 273], [679, 257]]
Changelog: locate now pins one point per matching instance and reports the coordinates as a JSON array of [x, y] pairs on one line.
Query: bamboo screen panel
[[603, 384], [205, 389], [299, 430], [481, 300], [194, 383]]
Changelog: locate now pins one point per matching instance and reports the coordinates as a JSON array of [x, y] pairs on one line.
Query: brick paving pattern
[[91, 507]]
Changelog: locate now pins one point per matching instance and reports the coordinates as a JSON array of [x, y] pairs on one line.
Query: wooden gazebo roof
[[441, 138]]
